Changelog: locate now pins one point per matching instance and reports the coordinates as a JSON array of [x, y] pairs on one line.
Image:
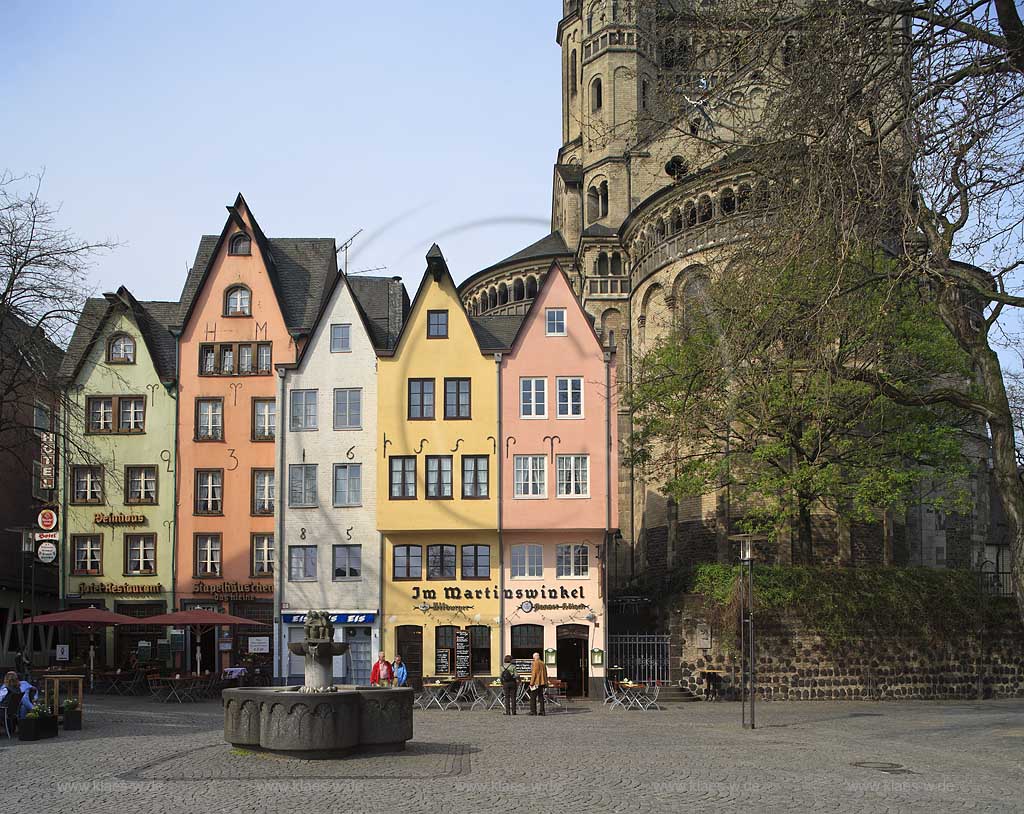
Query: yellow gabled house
[[437, 506]]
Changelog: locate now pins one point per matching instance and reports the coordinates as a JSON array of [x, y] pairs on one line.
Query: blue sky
[[413, 121]]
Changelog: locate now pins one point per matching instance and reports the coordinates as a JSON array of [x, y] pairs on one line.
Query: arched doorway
[[571, 658], [409, 645]]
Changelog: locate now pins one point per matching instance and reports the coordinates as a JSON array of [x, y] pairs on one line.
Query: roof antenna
[[344, 247], [369, 271]]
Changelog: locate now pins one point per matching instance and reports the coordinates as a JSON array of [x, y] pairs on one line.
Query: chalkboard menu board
[[463, 660], [523, 666], [442, 661]]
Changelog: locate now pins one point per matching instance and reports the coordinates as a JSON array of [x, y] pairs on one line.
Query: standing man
[[509, 685], [538, 681], [382, 673], [401, 673]]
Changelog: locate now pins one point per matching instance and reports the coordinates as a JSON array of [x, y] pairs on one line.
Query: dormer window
[[240, 244], [437, 324], [121, 350], [238, 302]]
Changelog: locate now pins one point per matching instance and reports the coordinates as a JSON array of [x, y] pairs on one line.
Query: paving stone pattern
[[137, 757]]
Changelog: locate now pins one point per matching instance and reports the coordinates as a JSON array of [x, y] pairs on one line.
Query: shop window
[[480, 648], [408, 562], [440, 562], [527, 640]]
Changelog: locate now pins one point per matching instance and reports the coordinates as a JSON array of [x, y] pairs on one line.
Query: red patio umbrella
[[199, 619], [89, 618]]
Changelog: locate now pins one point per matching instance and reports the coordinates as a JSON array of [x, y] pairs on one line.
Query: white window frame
[[134, 408], [344, 330], [146, 545], [209, 555], [349, 469], [210, 491], [263, 545], [575, 570], [105, 414], [527, 465], [208, 429], [263, 491], [267, 430], [531, 382], [147, 485], [573, 476], [92, 482], [550, 313], [558, 402], [92, 550], [239, 302], [532, 567]]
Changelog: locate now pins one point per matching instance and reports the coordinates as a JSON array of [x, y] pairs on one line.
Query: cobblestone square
[[138, 756]]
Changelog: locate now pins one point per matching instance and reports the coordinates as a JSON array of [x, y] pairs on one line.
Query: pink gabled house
[[558, 506]]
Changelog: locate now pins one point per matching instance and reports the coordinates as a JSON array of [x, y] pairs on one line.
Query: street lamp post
[[748, 651]]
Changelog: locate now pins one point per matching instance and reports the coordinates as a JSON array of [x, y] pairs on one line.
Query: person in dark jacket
[[509, 685]]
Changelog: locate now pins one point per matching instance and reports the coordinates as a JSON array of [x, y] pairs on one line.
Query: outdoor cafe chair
[[649, 698], [481, 696], [612, 695], [157, 689], [463, 693]]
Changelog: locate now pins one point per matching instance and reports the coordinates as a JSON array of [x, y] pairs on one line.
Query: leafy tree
[[766, 387]]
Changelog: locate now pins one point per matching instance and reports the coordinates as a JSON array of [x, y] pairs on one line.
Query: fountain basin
[[318, 725]]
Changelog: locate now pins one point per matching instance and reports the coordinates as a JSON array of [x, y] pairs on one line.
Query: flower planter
[[28, 729], [72, 720]]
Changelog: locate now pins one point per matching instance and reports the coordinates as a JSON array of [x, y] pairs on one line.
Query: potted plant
[[72, 715], [38, 723]]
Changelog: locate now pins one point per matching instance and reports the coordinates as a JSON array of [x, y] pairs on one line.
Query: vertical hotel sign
[[47, 460]]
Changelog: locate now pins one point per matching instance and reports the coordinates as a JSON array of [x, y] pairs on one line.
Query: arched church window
[[604, 199], [727, 201], [596, 96], [518, 291], [602, 265], [502, 294], [705, 209], [616, 264], [531, 287], [573, 81]]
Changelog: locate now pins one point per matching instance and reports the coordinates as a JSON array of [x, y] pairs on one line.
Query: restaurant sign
[[93, 588], [232, 590]]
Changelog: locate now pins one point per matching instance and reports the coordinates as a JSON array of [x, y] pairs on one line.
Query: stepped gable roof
[[496, 333], [552, 245], [300, 270], [385, 306], [154, 319]]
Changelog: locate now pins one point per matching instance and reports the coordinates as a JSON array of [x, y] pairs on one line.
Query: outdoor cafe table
[[497, 694], [114, 682], [437, 694], [180, 688], [634, 695]]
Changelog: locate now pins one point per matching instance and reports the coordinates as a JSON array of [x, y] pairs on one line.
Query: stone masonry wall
[[794, 664]]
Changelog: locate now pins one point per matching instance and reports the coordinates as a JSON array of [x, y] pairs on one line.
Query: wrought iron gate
[[641, 657]]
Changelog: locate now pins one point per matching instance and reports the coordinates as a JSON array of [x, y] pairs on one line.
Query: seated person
[[16, 697]]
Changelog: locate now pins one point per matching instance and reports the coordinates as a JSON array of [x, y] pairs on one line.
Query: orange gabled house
[[248, 303]]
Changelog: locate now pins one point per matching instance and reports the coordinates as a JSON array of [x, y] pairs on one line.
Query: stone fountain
[[318, 719]]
